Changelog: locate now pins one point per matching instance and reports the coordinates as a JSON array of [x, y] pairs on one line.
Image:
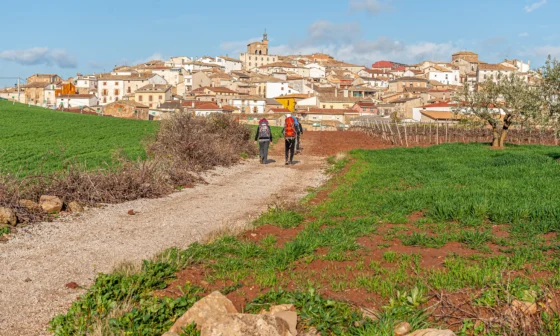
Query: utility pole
[[18, 89]]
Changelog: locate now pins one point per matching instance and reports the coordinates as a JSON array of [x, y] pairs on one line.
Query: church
[[257, 54]]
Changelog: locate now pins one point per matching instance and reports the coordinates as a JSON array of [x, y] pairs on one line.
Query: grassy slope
[[463, 191], [33, 136], [276, 132]]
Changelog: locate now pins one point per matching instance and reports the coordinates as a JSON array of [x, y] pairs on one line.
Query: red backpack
[[290, 128]]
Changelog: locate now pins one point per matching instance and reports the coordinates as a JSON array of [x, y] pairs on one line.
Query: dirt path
[[41, 259]]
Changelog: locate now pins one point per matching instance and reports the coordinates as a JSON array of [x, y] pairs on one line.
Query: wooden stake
[[405, 135]]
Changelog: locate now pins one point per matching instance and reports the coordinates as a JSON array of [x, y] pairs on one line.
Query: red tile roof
[[440, 104]]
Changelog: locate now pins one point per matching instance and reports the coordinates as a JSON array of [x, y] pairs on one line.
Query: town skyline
[[355, 31]]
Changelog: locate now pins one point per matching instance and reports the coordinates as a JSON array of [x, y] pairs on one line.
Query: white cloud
[[543, 51], [535, 6], [154, 57], [237, 47], [369, 6], [345, 42], [40, 55], [523, 34]]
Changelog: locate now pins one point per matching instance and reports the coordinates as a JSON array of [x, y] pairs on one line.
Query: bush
[[184, 146]]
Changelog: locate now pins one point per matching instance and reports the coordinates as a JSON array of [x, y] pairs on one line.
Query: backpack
[[290, 128], [264, 131]]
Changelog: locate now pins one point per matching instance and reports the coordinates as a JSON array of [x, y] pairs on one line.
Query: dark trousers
[[298, 147], [290, 148], [263, 150]]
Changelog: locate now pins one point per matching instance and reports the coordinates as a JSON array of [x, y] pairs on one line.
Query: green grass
[[462, 190], [34, 138]]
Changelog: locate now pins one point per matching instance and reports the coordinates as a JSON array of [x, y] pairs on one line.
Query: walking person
[[299, 131], [264, 137], [290, 136]]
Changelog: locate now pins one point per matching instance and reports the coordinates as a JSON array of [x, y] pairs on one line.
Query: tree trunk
[[503, 137], [496, 139]]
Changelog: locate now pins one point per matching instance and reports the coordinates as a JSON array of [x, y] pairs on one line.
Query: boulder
[[286, 312], [75, 207], [432, 332], [523, 307], [402, 329], [7, 216], [246, 325], [29, 205], [50, 204], [205, 312]]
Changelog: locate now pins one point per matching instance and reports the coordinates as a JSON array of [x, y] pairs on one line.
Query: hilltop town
[[326, 93]]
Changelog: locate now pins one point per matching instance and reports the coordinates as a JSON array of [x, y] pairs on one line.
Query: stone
[[402, 329], [523, 307], [287, 312], [246, 325], [205, 311], [432, 332], [72, 285], [131, 212], [75, 207], [7, 216], [29, 205], [50, 204]]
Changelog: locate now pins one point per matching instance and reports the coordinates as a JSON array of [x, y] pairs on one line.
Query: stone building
[[257, 54]]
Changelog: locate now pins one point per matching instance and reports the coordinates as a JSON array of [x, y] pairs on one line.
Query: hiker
[[299, 131], [290, 136], [264, 137]]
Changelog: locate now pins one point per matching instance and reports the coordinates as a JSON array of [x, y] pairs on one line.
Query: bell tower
[[265, 43]]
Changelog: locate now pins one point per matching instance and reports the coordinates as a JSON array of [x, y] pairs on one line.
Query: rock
[[27, 280], [246, 325], [51, 204], [131, 212], [402, 329], [205, 311], [7, 216], [72, 285], [523, 307], [287, 312], [432, 332], [367, 313], [75, 207], [29, 205]]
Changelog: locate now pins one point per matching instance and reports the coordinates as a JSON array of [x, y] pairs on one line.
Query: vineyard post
[[399, 133], [405, 135], [430, 136], [416, 132], [446, 127], [437, 133], [392, 134]]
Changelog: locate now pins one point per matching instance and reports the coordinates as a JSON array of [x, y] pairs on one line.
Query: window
[[104, 99], [151, 105], [160, 97], [104, 83], [150, 98], [140, 98], [117, 92], [128, 90], [282, 89], [104, 92]]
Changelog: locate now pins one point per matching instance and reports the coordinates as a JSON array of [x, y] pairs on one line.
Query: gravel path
[[41, 259]]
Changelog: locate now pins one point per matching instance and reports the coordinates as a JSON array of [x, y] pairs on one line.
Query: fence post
[[405, 135], [437, 133], [430, 135]]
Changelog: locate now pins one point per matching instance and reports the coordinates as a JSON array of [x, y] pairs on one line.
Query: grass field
[[404, 232], [32, 138]]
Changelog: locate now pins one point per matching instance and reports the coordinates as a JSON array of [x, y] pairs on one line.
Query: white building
[[276, 89], [316, 70], [76, 100], [520, 66], [229, 64], [172, 75], [178, 61], [492, 72], [116, 85], [249, 104], [86, 84], [50, 96], [443, 75]]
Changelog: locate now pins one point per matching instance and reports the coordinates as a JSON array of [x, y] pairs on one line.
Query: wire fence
[[434, 133]]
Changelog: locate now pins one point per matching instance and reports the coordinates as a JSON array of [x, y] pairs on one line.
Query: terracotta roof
[[156, 88], [442, 115], [206, 106], [404, 100], [248, 97], [465, 53], [75, 96], [230, 59], [440, 104], [315, 110], [35, 85], [365, 104], [294, 95], [133, 77], [409, 79], [129, 103], [494, 67], [278, 65], [279, 110], [216, 89]]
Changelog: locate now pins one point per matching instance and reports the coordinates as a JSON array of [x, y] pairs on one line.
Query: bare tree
[[501, 103]]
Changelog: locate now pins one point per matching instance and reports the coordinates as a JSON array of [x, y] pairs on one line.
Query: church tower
[[265, 42]]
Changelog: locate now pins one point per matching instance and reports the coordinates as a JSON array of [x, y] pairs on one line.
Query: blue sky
[[66, 37]]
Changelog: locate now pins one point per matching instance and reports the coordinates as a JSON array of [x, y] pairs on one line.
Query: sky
[[69, 37]]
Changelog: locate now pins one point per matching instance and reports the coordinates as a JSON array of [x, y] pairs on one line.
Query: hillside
[[34, 138]]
